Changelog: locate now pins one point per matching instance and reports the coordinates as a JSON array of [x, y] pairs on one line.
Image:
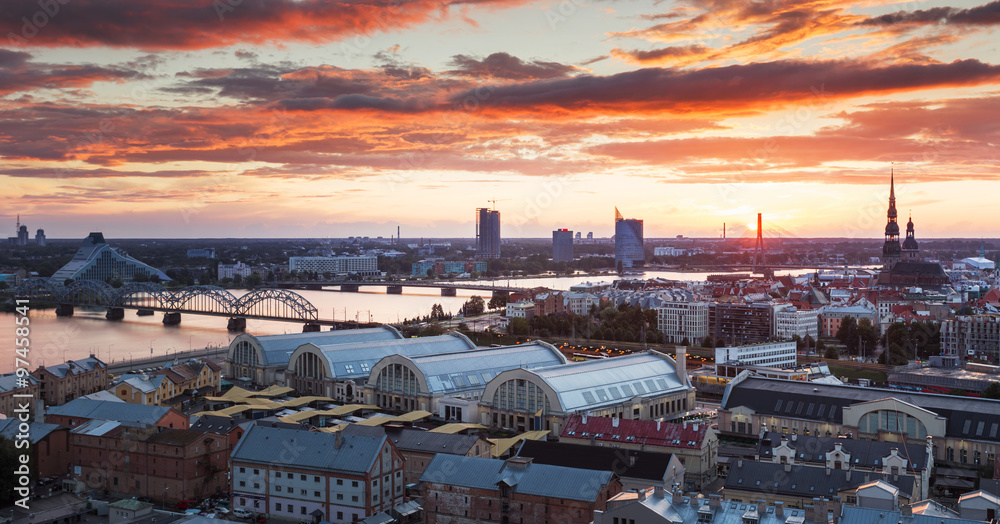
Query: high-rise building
[[40, 237], [96, 260], [562, 245], [487, 233], [590, 237], [22, 233], [578, 236], [628, 241]]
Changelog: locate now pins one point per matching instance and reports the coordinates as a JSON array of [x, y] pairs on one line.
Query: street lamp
[[164, 501]]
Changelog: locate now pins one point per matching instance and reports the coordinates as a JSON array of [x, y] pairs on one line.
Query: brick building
[[10, 387], [734, 324], [64, 382], [49, 445], [467, 489], [418, 446], [292, 474], [146, 461]]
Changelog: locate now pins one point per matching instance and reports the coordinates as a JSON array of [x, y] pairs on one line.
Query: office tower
[[562, 245], [487, 233], [628, 241]]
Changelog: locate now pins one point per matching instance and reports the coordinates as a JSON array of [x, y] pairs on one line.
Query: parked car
[[185, 504], [242, 513]]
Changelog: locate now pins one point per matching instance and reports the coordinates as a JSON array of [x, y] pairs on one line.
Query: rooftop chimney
[[677, 497], [821, 514], [837, 507], [779, 509], [694, 499], [739, 462], [906, 510], [715, 500], [614, 422], [642, 494], [339, 440], [681, 364], [584, 419], [658, 491], [847, 474], [657, 425]]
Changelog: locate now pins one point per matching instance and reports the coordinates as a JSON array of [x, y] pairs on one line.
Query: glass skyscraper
[[487, 233], [628, 241]]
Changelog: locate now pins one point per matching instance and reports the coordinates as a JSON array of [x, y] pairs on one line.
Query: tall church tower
[[891, 251], [911, 250]]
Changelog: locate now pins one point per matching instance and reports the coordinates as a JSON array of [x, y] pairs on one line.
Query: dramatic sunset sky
[[315, 118]]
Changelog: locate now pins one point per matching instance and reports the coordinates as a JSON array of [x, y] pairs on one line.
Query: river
[[55, 339]]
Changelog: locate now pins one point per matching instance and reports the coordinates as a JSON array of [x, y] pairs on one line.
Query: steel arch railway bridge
[[147, 297]]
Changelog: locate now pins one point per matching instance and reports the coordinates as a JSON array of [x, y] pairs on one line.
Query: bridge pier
[[499, 293], [237, 324], [311, 327], [448, 292], [115, 313], [394, 290], [171, 318], [64, 310], [353, 288]]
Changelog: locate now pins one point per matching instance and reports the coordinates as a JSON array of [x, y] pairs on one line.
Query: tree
[[237, 279], [430, 272], [867, 335], [809, 342], [847, 334], [831, 352], [992, 391], [116, 282], [685, 342], [894, 355], [437, 312], [519, 326], [474, 306], [254, 280], [798, 342], [707, 342], [498, 302]]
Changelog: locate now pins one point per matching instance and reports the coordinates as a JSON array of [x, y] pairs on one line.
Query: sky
[[314, 118]]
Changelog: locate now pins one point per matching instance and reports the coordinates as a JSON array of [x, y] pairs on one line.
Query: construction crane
[[495, 200]]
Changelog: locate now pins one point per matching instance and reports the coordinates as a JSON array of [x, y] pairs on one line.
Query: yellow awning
[[332, 429], [376, 421], [213, 413], [502, 445], [350, 408], [301, 401], [273, 391], [413, 416], [456, 428]]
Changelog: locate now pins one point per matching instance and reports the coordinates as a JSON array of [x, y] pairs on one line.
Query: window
[[340, 496], [315, 479], [291, 476], [256, 504], [340, 515], [255, 472], [302, 477], [354, 483], [256, 485], [277, 488], [291, 508], [316, 494], [277, 474], [303, 510], [243, 483], [277, 506], [243, 470], [304, 492], [340, 482], [354, 498]]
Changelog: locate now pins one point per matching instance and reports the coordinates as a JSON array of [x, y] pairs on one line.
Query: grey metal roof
[[144, 383], [805, 481], [864, 453], [37, 430], [418, 440], [471, 370], [108, 410], [276, 349], [9, 382], [968, 417], [75, 367], [625, 462], [593, 384], [532, 479], [355, 360], [282, 447], [859, 515]]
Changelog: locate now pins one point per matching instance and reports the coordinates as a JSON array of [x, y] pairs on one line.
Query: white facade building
[[231, 270], [768, 354], [580, 303], [524, 310], [683, 320], [343, 265], [790, 321]]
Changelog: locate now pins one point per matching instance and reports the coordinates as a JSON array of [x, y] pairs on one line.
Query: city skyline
[[314, 119]]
